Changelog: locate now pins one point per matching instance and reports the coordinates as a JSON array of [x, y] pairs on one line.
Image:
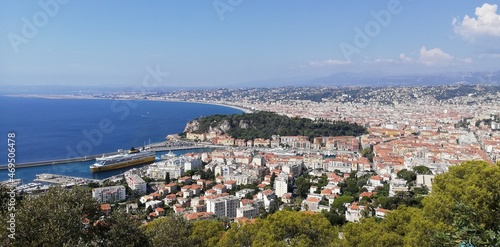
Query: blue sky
[[226, 42]]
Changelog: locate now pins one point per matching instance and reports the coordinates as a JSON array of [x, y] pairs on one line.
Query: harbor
[[44, 181], [64, 180], [77, 172], [154, 147]]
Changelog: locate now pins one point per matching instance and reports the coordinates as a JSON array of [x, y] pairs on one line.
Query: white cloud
[[434, 57], [487, 23], [328, 62], [384, 60], [405, 59]]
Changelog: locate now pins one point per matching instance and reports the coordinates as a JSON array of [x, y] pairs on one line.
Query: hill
[[343, 79], [265, 124]]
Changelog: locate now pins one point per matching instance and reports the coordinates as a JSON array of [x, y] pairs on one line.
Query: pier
[[56, 162], [156, 147]]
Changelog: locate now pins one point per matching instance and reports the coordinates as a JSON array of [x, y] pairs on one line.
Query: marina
[[64, 180]]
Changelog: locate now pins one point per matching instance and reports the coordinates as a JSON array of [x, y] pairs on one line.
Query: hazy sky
[[226, 42]]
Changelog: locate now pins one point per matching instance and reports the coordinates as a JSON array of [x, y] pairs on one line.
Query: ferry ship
[[131, 158]]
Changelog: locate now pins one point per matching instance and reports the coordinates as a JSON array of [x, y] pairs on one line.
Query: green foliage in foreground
[[56, 218], [265, 124], [463, 207], [284, 228]]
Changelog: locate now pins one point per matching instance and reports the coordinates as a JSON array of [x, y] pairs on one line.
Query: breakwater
[[157, 147]]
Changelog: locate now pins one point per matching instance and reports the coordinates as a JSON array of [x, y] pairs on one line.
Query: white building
[[425, 180], [376, 181], [153, 204], [353, 212], [109, 194], [397, 185], [174, 168], [191, 163], [247, 211], [225, 206], [331, 166], [241, 179], [136, 183], [281, 184], [267, 198], [293, 168], [244, 192]]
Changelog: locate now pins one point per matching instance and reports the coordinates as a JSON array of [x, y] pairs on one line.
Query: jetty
[[156, 147], [56, 162]]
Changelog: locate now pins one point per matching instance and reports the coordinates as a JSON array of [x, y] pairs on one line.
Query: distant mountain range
[[381, 79], [335, 80]]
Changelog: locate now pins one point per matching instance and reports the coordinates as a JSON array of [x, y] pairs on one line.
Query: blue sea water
[[48, 129]]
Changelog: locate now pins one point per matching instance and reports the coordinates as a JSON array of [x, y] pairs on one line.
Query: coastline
[[245, 110], [68, 96], [51, 96]]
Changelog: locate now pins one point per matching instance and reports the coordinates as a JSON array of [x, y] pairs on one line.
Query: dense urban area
[[393, 166]]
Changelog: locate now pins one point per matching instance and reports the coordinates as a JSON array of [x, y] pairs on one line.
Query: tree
[[303, 184], [323, 181], [473, 185], [172, 231], [5, 197], [284, 228], [351, 186], [207, 232], [338, 203], [264, 124], [93, 185], [383, 190], [363, 234], [423, 190], [468, 230], [462, 208], [368, 153], [122, 230], [334, 218], [273, 177], [54, 218], [423, 170], [167, 178], [240, 234], [409, 176], [405, 226]]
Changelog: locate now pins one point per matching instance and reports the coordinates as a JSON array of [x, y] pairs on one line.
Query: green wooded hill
[[264, 124]]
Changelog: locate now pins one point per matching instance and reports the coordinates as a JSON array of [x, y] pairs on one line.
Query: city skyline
[[226, 43]]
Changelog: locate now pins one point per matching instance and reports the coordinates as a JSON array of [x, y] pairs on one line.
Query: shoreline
[[210, 103], [67, 96]]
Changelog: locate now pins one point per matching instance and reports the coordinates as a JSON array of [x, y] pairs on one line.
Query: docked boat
[[132, 158], [168, 155]]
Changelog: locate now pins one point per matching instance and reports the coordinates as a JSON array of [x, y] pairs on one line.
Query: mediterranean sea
[[49, 129]]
